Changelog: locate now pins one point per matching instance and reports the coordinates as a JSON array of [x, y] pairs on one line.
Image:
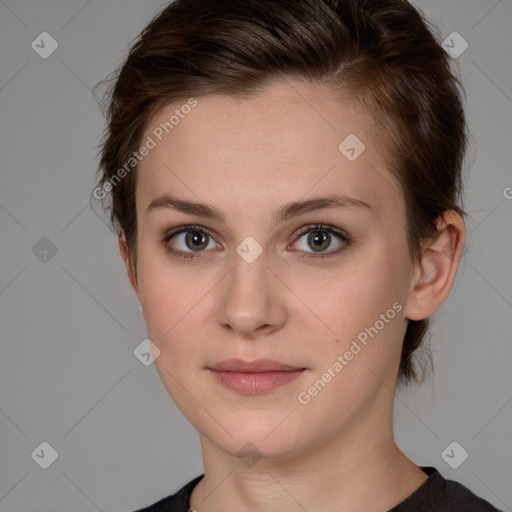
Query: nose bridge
[[250, 301]]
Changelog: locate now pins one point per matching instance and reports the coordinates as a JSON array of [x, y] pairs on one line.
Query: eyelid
[[324, 227], [189, 227]]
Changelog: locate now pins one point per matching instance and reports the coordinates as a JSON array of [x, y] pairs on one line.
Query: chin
[[255, 448], [257, 439]]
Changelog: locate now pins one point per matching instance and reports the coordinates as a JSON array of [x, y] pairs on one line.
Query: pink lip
[[254, 377], [260, 365]]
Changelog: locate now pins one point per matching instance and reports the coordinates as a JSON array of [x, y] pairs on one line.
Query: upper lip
[[260, 365]]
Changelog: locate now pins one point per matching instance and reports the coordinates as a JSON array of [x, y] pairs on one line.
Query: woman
[[285, 180]]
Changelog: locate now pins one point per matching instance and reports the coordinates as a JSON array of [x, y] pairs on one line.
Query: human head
[[380, 54]]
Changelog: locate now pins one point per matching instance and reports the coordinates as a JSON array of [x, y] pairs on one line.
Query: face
[[304, 265]]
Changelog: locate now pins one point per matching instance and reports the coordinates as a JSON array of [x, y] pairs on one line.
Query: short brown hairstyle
[[383, 53]]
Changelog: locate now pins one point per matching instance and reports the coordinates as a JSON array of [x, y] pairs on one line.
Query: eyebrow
[[285, 212]]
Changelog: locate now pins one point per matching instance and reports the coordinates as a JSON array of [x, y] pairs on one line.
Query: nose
[[252, 301]]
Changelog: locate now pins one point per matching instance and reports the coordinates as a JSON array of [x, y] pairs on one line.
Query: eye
[[189, 240], [320, 238], [193, 240]]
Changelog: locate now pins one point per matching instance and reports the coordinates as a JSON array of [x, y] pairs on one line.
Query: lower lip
[[255, 383]]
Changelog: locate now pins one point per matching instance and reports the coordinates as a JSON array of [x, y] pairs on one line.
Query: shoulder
[[461, 498], [178, 502], [438, 494]]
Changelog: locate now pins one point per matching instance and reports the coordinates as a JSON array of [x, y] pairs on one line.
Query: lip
[[254, 377], [257, 366]]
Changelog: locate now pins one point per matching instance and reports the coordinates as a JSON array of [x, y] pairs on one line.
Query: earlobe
[[125, 255], [435, 272]]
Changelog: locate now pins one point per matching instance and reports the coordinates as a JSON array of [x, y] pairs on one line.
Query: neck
[[359, 469]]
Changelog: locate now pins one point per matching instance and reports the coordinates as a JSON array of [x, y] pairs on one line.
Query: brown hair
[[383, 52]]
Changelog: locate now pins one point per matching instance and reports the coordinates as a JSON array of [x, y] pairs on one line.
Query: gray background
[[69, 325]]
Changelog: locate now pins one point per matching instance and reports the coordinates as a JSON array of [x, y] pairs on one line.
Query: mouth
[[254, 377]]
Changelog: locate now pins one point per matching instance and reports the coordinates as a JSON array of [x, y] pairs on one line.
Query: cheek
[[164, 293], [354, 296], [176, 304], [362, 304]]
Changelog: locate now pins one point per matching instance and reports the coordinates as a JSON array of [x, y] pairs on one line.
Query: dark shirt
[[435, 494]]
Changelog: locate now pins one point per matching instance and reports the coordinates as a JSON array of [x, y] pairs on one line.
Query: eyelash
[[343, 237]]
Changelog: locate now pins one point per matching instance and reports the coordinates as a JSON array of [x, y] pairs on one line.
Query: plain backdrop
[[70, 322]]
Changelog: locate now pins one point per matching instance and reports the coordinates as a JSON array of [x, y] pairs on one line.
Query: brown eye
[[196, 240]]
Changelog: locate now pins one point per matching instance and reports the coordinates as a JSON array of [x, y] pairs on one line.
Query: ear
[[435, 272], [123, 249]]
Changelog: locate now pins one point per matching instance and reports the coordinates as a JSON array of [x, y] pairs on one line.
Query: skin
[[248, 157]]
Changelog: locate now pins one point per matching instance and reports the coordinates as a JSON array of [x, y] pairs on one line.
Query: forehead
[[279, 145]]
